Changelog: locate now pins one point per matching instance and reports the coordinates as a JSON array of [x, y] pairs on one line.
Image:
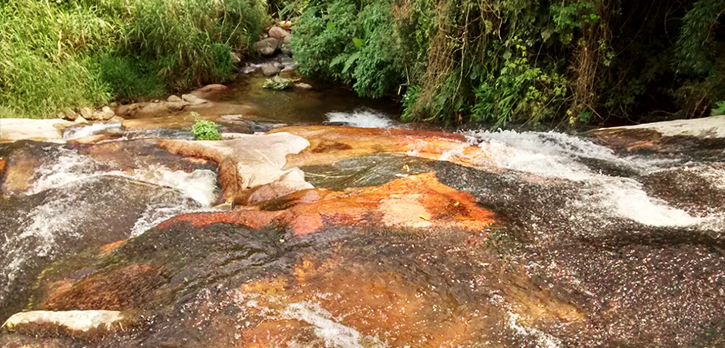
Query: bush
[[205, 130], [59, 54]]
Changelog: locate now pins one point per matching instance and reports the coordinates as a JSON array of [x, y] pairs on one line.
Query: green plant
[[205, 129], [719, 109], [278, 83]]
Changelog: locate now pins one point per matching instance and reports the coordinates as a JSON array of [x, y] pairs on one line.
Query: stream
[[370, 233]]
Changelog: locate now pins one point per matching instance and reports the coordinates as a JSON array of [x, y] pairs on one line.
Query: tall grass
[[70, 54]]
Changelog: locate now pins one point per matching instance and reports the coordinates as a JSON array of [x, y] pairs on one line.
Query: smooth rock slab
[[13, 129], [72, 320], [703, 128]]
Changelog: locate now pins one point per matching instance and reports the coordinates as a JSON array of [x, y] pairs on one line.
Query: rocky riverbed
[[320, 221]]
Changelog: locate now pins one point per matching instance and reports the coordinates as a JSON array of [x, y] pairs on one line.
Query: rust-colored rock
[[418, 201], [110, 247], [330, 144], [120, 289]]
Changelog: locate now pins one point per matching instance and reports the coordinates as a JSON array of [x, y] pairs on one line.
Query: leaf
[[330, 26], [358, 42], [350, 61]]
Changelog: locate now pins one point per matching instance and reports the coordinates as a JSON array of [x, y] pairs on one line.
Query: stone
[[81, 120], [173, 99], [287, 39], [303, 86], [236, 58], [278, 65], [193, 100], [87, 113], [278, 33], [117, 119], [663, 136], [13, 129], [176, 106], [128, 109], [245, 162], [104, 114], [69, 114], [269, 70], [267, 47], [70, 320]]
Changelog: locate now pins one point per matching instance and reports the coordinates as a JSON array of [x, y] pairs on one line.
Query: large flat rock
[[12, 129]]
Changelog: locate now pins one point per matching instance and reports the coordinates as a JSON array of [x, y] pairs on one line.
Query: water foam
[[362, 118], [560, 156], [86, 131], [327, 328]]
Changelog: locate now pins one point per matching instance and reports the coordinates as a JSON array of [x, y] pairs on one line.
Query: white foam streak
[[362, 118], [325, 327], [558, 156], [86, 131]]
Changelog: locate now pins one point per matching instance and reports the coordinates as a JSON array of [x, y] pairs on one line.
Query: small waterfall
[[362, 118], [87, 131]]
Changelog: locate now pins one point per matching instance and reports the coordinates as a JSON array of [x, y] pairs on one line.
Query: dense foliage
[[63, 53], [501, 61]]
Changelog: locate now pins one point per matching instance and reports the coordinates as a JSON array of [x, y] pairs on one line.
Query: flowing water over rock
[[364, 237]]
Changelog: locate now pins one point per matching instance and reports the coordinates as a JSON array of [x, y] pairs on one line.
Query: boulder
[[175, 106], [12, 129], [173, 99], [278, 33], [287, 39], [117, 119], [128, 109], [267, 47], [81, 120], [68, 114], [269, 70]]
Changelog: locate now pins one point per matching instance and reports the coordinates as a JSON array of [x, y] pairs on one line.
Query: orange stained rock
[[110, 247], [19, 172], [329, 144], [376, 304], [2, 167], [416, 201]]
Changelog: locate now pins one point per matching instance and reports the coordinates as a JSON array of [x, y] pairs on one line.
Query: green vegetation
[[278, 83], [59, 54], [204, 129], [719, 109], [538, 62]]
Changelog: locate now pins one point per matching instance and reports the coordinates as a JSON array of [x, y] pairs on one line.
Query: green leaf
[[330, 26], [358, 42], [350, 61]]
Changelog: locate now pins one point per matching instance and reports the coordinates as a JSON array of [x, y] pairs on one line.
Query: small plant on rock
[[278, 83], [204, 129], [719, 109]]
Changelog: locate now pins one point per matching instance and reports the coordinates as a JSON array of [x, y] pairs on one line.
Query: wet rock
[[267, 47], [269, 70], [418, 201], [193, 100], [13, 129], [128, 110], [278, 33], [117, 119], [303, 86], [209, 90], [173, 99], [330, 144], [70, 320], [286, 49], [175, 106], [245, 162]]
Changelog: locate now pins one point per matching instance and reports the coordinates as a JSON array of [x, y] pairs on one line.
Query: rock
[[87, 113], [269, 70], [129, 109], [662, 136], [278, 33], [117, 119], [175, 106], [104, 114], [288, 73], [278, 65], [250, 69], [209, 90], [81, 120], [303, 86], [70, 320], [267, 47], [173, 99], [236, 58], [286, 50], [13, 129], [193, 100], [68, 114], [287, 39], [245, 162], [284, 24]]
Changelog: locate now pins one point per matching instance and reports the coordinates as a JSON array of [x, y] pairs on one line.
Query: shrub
[[719, 109], [278, 83], [59, 54], [205, 130]]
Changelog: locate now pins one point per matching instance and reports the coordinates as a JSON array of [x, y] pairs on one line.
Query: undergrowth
[[205, 129], [70, 54], [538, 62]]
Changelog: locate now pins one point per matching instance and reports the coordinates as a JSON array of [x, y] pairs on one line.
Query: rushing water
[[589, 247]]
